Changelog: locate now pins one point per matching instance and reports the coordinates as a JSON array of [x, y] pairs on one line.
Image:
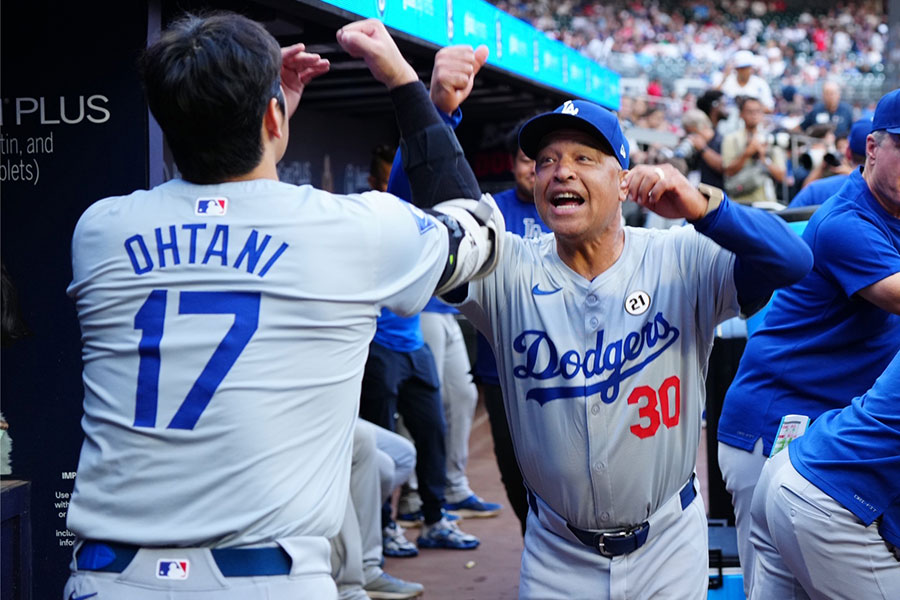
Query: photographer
[[751, 163], [822, 159], [821, 190], [701, 148]]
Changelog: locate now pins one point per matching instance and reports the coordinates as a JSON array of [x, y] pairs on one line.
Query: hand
[[370, 41], [755, 148], [698, 141], [454, 73], [665, 191], [297, 69]]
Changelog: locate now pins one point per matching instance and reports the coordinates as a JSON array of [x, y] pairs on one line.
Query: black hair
[[706, 101], [381, 154], [742, 100], [208, 80]]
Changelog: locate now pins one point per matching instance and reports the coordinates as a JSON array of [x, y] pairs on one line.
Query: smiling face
[[576, 187]]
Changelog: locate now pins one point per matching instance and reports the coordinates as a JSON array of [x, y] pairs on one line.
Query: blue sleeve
[[804, 197], [853, 251], [809, 118], [768, 255], [398, 182]]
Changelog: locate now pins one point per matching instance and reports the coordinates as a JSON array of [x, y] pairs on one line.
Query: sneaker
[[446, 534], [395, 544], [416, 519], [473, 506], [392, 588]]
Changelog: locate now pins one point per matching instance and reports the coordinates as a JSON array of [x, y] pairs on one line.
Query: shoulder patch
[[423, 221]]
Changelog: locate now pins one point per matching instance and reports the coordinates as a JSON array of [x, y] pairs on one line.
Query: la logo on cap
[[569, 108]]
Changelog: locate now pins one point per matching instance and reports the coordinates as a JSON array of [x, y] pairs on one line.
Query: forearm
[[775, 171], [431, 155], [768, 255], [712, 159], [736, 165]]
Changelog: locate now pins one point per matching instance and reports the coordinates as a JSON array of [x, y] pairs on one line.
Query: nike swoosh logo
[[539, 292], [72, 596]]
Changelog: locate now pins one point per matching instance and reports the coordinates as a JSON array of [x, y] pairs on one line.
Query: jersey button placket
[[591, 316]]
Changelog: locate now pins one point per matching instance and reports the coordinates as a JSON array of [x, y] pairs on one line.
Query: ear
[[623, 192], [871, 144], [273, 120]]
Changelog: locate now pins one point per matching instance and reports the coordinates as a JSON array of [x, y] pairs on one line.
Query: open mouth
[[566, 199]]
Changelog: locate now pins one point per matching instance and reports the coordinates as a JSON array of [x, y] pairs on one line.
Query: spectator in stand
[[821, 190], [739, 80], [714, 105], [830, 110], [751, 164]]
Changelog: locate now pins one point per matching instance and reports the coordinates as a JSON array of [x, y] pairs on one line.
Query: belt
[[232, 562], [617, 543]]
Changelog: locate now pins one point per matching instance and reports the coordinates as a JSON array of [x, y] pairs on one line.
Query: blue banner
[[515, 46]]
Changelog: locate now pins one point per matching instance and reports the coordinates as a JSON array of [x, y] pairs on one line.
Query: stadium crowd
[[670, 53]]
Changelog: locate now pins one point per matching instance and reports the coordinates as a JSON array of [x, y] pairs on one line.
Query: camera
[[813, 157], [685, 149]]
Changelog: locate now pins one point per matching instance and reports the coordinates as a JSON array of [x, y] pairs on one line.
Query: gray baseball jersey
[[604, 380], [225, 329]]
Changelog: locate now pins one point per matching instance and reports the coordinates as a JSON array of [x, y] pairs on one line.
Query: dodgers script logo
[[618, 360]]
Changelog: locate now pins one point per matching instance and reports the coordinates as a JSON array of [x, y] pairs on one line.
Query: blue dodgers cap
[[858, 134], [576, 114], [887, 113]]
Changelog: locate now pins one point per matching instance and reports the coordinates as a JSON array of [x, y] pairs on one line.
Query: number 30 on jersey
[[656, 406]]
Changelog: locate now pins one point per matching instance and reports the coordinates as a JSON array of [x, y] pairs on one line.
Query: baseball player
[[357, 557], [521, 217], [601, 334], [826, 512], [438, 324], [827, 338], [223, 349]]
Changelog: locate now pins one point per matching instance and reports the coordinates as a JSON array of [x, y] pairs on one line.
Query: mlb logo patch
[[172, 568], [211, 207]]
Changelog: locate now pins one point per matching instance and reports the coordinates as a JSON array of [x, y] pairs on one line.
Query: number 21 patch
[[637, 302]]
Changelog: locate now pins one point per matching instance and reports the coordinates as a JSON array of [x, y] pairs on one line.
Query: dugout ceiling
[[349, 88]]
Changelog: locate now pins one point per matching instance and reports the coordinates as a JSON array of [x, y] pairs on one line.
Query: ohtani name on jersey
[[619, 359], [191, 243]]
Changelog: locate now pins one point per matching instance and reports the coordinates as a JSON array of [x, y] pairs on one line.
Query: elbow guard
[[475, 229]]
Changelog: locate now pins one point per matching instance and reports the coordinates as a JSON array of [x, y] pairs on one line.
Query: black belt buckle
[[617, 543]]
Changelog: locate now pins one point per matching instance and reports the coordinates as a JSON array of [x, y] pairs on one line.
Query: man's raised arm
[[434, 160]]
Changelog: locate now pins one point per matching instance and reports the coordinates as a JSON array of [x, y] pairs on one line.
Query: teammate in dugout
[[225, 322], [826, 339], [826, 511], [601, 334]]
